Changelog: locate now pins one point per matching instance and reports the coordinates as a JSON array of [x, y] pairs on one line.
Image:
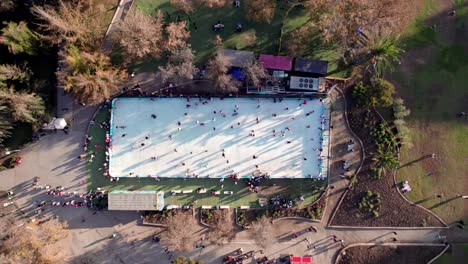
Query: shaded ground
[[267, 35], [390, 254], [456, 254], [394, 210], [432, 80]]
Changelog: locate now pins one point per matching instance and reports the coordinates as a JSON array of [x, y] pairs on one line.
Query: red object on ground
[[305, 101], [18, 160], [276, 62], [301, 260]]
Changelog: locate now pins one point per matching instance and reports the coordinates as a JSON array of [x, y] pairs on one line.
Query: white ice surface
[[274, 155]]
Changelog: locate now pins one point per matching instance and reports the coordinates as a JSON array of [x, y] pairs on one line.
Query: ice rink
[[180, 137]]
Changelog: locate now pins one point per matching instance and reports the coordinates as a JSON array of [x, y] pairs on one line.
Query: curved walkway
[[54, 159]]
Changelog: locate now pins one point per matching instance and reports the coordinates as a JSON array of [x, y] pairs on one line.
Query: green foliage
[[376, 173], [385, 157], [361, 94], [353, 180], [19, 38], [378, 94], [370, 202], [383, 91], [241, 217], [385, 52], [9, 72], [260, 214], [207, 214], [5, 123], [383, 137], [315, 213]]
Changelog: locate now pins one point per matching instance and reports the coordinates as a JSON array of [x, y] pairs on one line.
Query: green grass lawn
[[293, 188], [267, 35], [434, 87]]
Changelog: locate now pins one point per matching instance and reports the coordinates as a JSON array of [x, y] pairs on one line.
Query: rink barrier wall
[[323, 112]]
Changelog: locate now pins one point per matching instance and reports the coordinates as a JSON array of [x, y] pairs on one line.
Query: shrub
[[361, 94], [375, 213], [241, 217], [383, 137], [370, 202]]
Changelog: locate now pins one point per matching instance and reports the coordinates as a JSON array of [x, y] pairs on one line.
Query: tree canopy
[[179, 68], [217, 72], [25, 107], [90, 76], [260, 10], [32, 243], [19, 38], [140, 35]]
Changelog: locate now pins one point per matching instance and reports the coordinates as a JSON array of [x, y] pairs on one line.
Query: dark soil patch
[[394, 210], [212, 217], [313, 211], [161, 217], [245, 218], [389, 254]]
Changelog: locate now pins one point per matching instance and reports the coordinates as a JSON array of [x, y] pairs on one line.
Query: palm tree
[[19, 38], [5, 123], [383, 52], [90, 76], [385, 160], [23, 107]]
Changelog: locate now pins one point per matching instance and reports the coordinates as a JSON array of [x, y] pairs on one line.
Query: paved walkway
[[54, 159], [120, 13]]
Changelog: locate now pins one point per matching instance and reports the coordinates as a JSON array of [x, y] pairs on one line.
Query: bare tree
[[180, 233], [222, 230], [186, 6], [344, 21], [73, 21], [140, 35], [32, 243], [213, 3], [217, 72], [218, 41], [180, 68], [260, 10], [23, 107], [262, 232], [299, 40], [177, 36], [89, 76], [255, 72], [248, 37]]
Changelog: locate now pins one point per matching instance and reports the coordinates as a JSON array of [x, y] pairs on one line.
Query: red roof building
[[276, 62]]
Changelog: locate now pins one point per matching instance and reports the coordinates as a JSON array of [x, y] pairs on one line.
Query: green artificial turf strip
[[287, 187]]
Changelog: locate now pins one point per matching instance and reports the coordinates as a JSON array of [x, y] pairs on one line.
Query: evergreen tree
[[19, 38]]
